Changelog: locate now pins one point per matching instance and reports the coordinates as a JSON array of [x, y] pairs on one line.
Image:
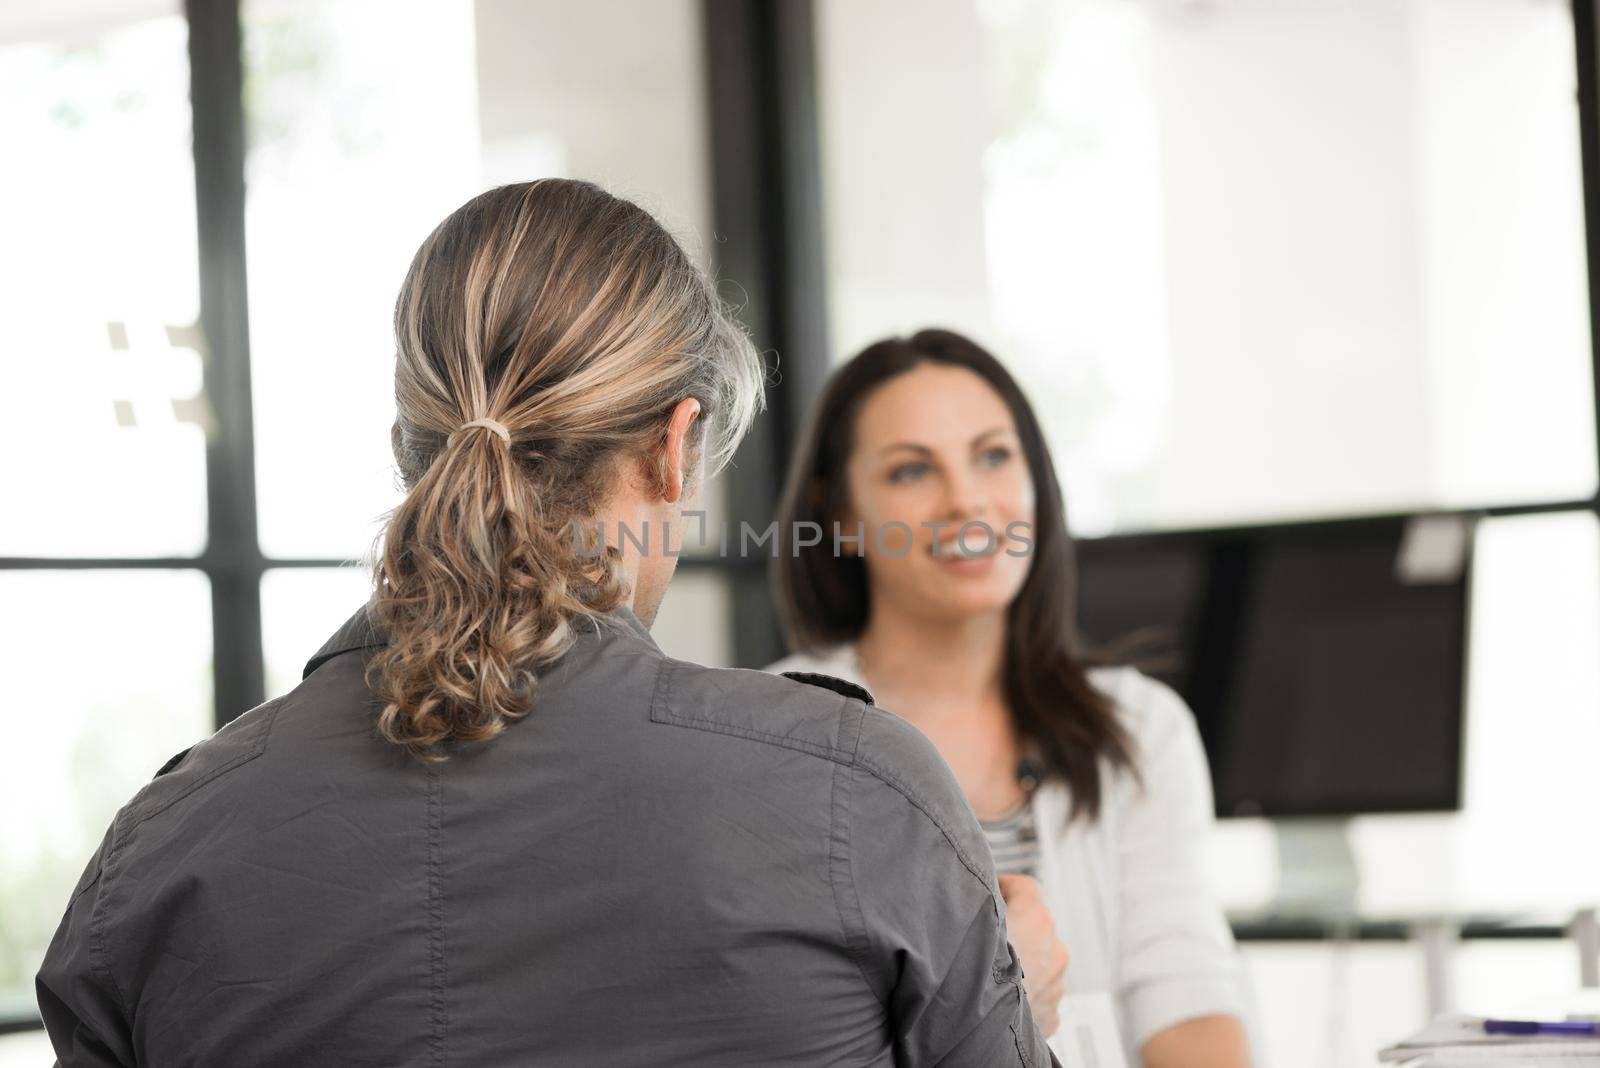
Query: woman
[[944, 585]]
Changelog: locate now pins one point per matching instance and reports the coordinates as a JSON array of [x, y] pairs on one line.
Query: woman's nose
[[964, 498]]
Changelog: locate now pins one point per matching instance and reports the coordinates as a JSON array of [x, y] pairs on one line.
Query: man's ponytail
[[570, 320], [475, 594]]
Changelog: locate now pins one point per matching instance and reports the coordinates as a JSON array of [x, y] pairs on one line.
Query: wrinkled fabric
[[1129, 890], [662, 864]]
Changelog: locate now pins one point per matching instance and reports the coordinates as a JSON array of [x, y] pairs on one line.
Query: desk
[[1436, 935]]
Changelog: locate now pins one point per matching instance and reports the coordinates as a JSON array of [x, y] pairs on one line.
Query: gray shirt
[[662, 864]]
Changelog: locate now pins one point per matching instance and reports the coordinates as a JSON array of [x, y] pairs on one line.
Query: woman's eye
[[996, 455], [907, 471]]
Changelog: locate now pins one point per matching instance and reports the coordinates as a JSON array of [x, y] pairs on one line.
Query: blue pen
[[1542, 1027]]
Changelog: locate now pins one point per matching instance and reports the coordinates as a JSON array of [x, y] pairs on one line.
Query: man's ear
[[679, 451]]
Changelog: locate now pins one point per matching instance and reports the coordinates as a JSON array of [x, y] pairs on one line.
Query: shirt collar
[[361, 631]]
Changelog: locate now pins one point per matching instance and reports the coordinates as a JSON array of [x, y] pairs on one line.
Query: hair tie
[[505, 434]]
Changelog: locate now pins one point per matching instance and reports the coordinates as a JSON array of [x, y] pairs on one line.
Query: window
[[352, 162], [93, 736], [101, 418], [100, 346], [352, 159]]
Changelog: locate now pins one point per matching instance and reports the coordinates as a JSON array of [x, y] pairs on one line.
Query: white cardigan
[[1130, 892]]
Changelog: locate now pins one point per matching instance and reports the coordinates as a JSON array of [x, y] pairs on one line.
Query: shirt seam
[[436, 960], [93, 881], [123, 827], [997, 971], [662, 712], [264, 731], [917, 801], [1022, 1051], [754, 734], [845, 895]]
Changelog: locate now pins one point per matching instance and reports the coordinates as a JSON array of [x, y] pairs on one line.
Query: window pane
[[301, 607], [1252, 261], [93, 737], [354, 159], [101, 401], [28, 1049]]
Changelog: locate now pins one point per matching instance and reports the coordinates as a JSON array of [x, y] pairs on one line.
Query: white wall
[[1253, 259], [607, 90], [1293, 262], [904, 124]]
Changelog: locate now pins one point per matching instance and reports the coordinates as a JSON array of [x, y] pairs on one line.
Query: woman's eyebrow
[[921, 449], [992, 430], [911, 445]]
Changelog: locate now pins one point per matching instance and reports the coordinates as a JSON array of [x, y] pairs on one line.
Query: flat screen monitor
[[1326, 678]]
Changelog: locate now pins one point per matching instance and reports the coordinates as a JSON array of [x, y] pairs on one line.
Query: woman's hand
[[1032, 932]]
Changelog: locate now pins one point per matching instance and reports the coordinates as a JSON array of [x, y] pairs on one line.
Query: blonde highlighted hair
[[572, 318]]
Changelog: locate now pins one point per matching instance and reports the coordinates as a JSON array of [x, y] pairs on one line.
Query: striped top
[[1013, 840]]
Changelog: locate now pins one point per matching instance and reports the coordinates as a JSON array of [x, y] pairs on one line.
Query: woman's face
[[937, 445]]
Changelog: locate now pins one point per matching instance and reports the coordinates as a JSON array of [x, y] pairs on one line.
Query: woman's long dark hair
[[823, 596]]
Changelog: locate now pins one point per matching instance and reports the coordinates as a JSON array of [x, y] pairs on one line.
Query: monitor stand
[[1317, 874]]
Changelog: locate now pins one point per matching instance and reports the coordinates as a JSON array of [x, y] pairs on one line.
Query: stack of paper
[[1458, 1041]]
